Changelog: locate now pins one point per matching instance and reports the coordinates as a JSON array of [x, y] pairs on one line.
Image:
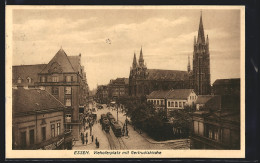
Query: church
[[143, 81]]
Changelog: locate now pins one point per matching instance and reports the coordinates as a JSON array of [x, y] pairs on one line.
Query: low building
[[217, 126], [38, 121], [172, 99], [203, 101]]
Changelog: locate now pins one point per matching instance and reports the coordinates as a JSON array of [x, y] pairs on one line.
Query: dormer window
[[19, 80], [29, 80]]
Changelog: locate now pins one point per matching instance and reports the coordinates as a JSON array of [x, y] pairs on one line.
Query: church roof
[[25, 71], [175, 75], [62, 59], [28, 100]]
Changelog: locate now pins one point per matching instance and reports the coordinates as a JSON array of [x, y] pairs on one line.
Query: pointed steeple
[[188, 67], [134, 62], [201, 37], [141, 59]]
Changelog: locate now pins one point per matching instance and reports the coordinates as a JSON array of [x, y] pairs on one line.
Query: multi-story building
[[172, 99], [216, 121], [38, 121], [143, 81], [64, 77], [102, 94], [226, 86], [118, 88]]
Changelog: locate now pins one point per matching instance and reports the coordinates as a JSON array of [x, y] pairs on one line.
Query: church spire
[[141, 59], [134, 62], [188, 67], [201, 37]]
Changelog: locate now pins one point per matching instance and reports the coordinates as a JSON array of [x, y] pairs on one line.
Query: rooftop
[[27, 100]]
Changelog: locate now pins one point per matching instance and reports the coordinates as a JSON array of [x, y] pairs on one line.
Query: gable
[[59, 63]]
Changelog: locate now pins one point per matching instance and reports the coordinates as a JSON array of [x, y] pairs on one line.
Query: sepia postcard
[[125, 81]]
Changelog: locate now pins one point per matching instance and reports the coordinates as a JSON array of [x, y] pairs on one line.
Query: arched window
[[19, 80], [29, 80]]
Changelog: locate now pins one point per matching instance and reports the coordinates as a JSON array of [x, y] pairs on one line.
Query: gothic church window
[[19, 80]]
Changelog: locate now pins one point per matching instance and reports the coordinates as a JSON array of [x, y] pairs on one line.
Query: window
[[210, 134], [180, 104], [67, 90], [216, 135], [31, 136], [42, 79], [67, 102], [55, 79], [58, 128], [162, 102], [169, 103], [55, 90], [19, 80], [68, 78], [172, 104], [52, 130], [68, 118], [29, 80], [183, 103], [176, 104], [23, 139], [157, 102], [43, 133]]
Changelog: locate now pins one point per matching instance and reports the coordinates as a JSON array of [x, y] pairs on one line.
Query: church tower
[[201, 63]]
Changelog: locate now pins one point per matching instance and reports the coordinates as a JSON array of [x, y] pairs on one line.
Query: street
[[134, 140]]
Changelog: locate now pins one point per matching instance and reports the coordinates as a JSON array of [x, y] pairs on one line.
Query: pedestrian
[[83, 139], [96, 140], [86, 141], [92, 137], [97, 144], [86, 134]]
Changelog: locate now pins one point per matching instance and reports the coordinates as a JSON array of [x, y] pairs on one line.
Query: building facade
[[102, 94], [118, 88], [64, 77], [38, 121], [172, 99], [142, 81]]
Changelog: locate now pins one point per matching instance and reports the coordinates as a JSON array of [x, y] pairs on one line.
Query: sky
[[165, 35]]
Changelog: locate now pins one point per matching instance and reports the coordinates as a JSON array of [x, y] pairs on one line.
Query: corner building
[[65, 79]]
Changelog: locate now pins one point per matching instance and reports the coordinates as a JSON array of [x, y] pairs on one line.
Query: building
[[118, 88], [203, 101], [38, 121], [226, 87], [102, 94], [217, 126], [143, 81], [64, 77], [172, 99]]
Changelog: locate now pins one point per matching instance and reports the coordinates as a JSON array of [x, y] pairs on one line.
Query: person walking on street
[[86, 134], [92, 137], [86, 141], [83, 139], [96, 140]]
